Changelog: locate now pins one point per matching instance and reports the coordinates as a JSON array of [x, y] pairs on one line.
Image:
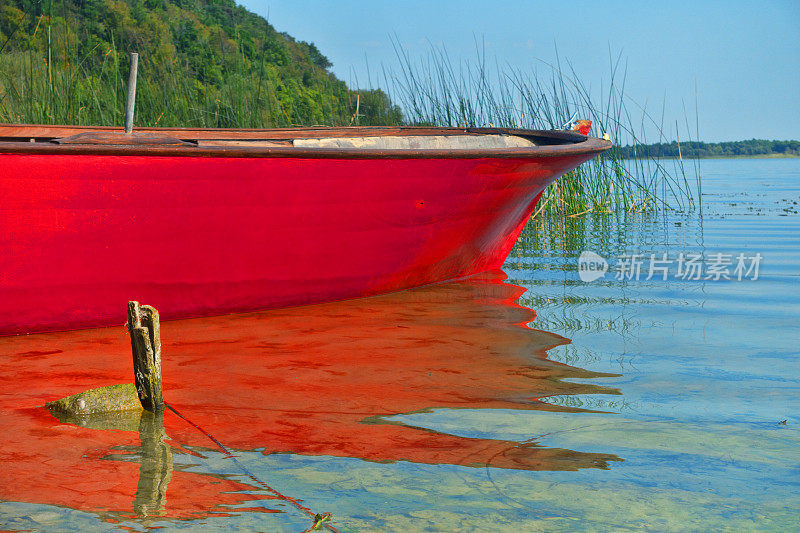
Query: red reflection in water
[[313, 380]]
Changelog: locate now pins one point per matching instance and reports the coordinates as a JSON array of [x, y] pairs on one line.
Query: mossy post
[[145, 332]]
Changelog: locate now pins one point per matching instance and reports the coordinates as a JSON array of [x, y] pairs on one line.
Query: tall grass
[[35, 91], [49, 83], [435, 90]]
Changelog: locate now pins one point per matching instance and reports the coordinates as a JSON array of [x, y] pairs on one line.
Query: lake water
[[522, 400]]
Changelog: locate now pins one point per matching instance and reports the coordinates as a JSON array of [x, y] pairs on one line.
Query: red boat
[[206, 222]]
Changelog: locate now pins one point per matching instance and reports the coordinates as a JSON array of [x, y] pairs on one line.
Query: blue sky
[[743, 56]]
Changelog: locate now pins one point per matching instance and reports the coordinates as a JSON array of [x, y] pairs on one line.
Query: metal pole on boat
[[130, 103]]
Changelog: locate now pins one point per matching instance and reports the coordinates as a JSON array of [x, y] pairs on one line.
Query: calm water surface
[[539, 402]]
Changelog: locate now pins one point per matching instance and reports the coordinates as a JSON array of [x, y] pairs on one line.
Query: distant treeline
[[696, 149]]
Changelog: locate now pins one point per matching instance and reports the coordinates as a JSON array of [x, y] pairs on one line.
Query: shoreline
[[756, 156]]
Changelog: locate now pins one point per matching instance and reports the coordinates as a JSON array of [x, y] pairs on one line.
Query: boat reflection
[[317, 380]]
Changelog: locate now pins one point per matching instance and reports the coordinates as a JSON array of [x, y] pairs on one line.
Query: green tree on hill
[[208, 63]]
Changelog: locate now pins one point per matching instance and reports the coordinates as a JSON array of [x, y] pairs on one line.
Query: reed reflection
[[320, 380]]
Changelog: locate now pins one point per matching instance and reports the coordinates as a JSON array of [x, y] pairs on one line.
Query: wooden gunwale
[[16, 138]]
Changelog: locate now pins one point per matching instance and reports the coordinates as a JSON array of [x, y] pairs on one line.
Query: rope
[[320, 519]]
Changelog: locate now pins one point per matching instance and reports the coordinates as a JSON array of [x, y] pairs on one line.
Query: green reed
[[436, 91], [44, 79], [67, 92]]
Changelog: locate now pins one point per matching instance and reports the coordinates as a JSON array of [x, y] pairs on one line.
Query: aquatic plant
[[434, 90]]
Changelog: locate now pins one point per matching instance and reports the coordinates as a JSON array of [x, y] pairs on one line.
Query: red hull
[[84, 233]]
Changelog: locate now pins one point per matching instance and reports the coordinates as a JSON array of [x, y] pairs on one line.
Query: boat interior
[[380, 138], [319, 141]]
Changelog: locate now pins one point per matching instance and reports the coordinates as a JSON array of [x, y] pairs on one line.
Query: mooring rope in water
[[320, 519]]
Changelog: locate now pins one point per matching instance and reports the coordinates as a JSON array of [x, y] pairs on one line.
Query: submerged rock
[[113, 398]]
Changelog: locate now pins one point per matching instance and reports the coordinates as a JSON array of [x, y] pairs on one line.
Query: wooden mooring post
[[145, 332]]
